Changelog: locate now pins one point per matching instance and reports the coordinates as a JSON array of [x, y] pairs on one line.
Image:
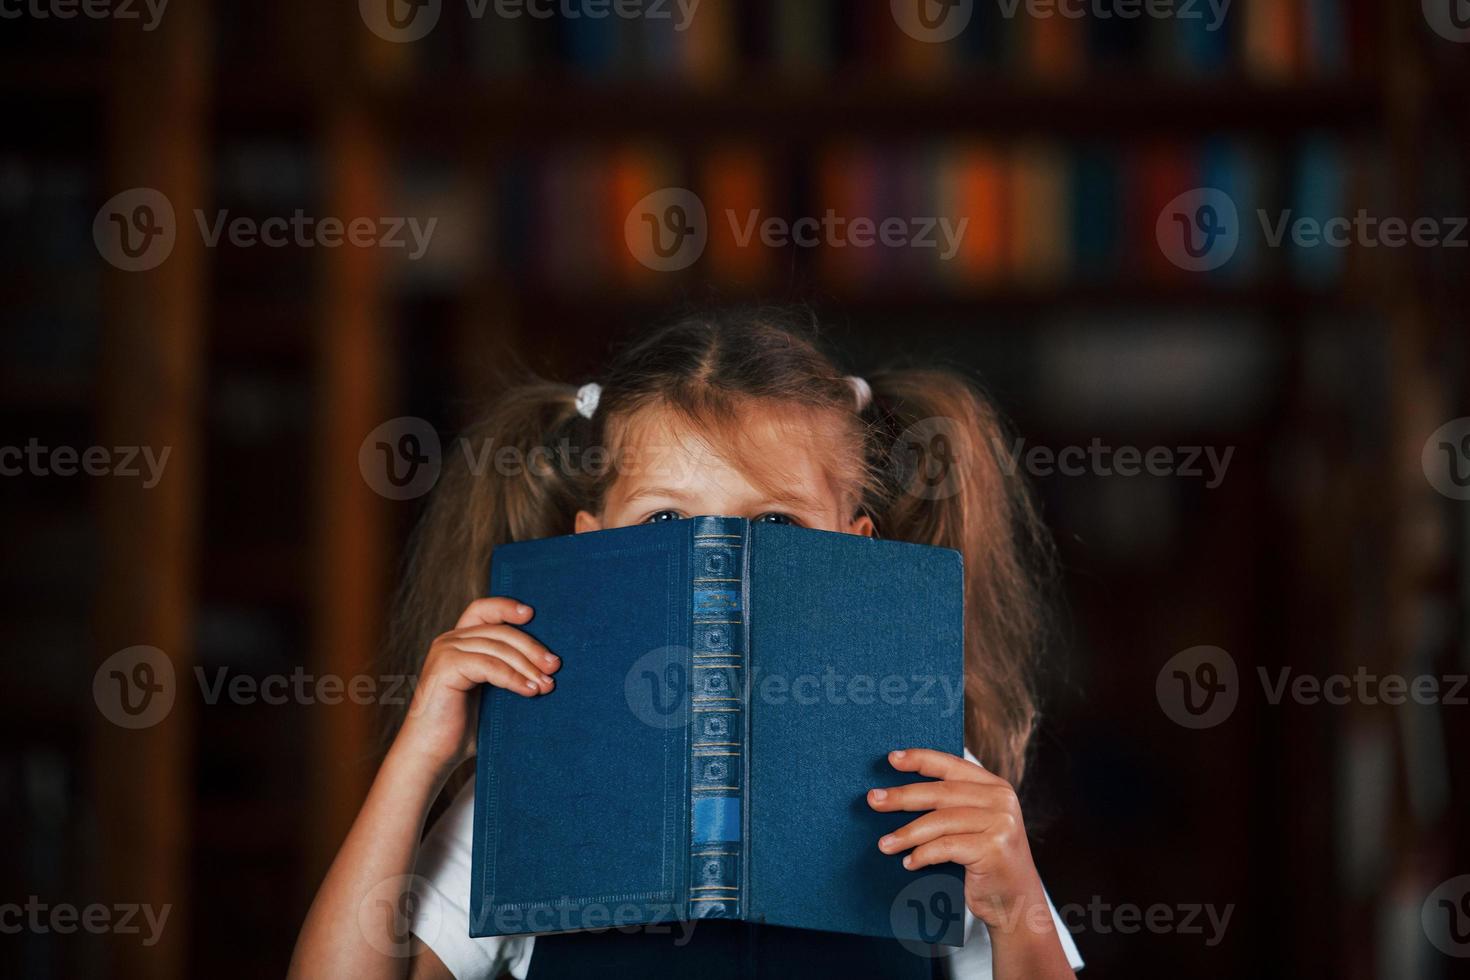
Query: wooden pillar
[[350, 520], [149, 395]]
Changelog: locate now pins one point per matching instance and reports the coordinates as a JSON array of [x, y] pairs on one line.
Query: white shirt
[[441, 916]]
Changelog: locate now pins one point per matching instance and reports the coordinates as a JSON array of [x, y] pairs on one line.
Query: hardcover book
[[729, 691]]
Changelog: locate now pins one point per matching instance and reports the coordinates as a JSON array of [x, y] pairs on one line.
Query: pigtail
[[943, 475], [509, 477]]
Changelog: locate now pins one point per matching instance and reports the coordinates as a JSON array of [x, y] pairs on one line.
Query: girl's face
[[668, 471]]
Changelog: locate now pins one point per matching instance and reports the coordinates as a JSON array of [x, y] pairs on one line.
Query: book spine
[[718, 704]]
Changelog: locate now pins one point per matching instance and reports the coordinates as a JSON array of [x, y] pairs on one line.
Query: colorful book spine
[[802, 41], [1158, 175], [1318, 196], [1097, 214], [1272, 39], [1325, 36], [636, 172], [1268, 41], [738, 199], [515, 218], [1039, 244], [849, 184], [571, 200], [1233, 167], [1056, 49], [593, 46], [1196, 48], [501, 52], [976, 187], [706, 44]]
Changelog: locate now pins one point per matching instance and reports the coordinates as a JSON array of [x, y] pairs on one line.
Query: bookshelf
[[1290, 123], [351, 561], [149, 394]]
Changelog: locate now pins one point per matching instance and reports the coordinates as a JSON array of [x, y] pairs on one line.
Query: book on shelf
[[719, 42]]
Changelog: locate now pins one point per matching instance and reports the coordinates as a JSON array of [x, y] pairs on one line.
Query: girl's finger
[[477, 646], [523, 642], [495, 609], [498, 673], [966, 849], [932, 796], [465, 672], [940, 823], [939, 765]]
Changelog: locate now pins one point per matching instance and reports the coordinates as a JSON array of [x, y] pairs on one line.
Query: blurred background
[[573, 177]]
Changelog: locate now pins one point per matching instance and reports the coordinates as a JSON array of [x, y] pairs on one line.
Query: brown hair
[[924, 459]]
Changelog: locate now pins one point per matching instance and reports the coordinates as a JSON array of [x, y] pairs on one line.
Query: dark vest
[[715, 950]]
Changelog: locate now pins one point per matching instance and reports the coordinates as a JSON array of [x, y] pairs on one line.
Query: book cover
[[728, 693]]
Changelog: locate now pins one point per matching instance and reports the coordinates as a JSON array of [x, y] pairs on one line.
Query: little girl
[[734, 414]]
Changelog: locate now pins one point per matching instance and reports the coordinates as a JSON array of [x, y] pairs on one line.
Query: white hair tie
[[862, 392], [587, 398]]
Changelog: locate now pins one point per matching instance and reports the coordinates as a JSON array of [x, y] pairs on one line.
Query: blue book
[[728, 693], [1235, 167], [1097, 212], [1319, 194]]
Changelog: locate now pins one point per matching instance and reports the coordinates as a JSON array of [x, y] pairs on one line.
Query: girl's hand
[[485, 647], [975, 822]]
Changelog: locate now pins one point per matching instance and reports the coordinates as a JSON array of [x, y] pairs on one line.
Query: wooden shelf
[[472, 111], [536, 110], [934, 300]]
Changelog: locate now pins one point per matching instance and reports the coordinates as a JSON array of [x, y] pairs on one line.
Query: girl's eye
[[775, 518], [662, 515]]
